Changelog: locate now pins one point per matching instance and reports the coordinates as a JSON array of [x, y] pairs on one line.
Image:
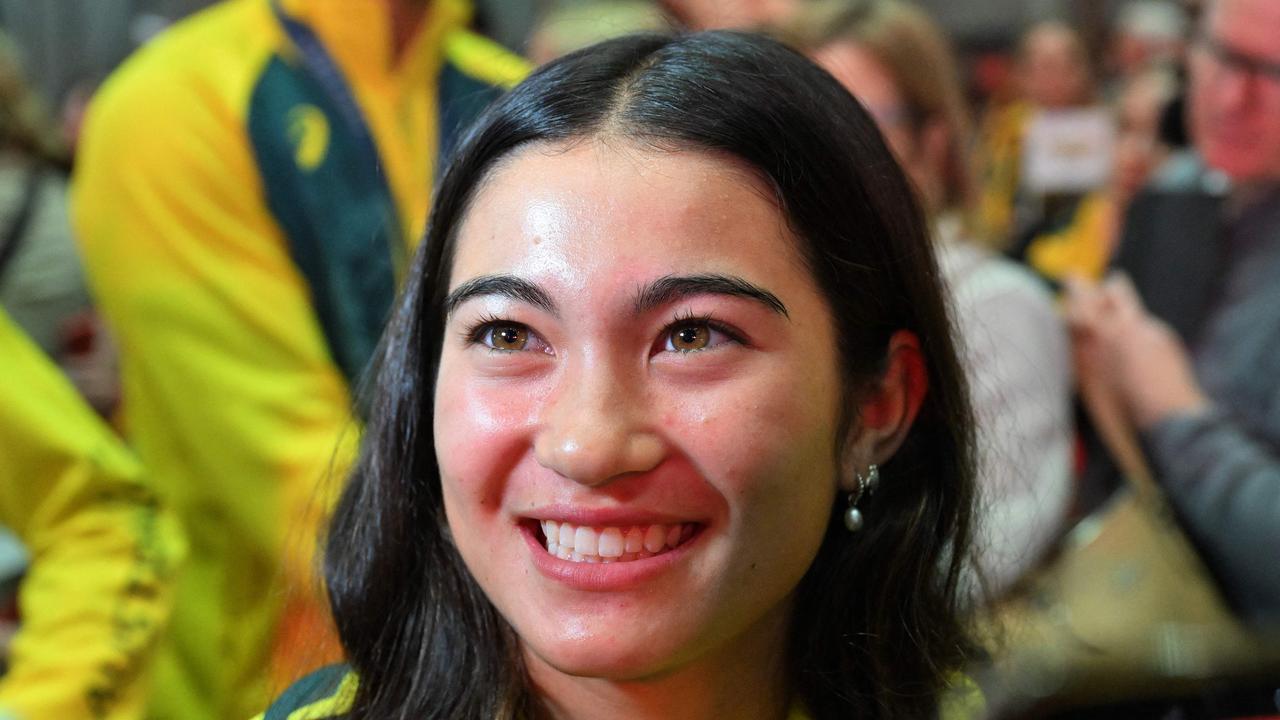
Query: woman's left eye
[[692, 336]]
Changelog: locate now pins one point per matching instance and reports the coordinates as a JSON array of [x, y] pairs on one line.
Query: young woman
[[669, 422]]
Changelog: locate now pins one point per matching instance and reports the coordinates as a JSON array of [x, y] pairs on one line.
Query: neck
[[746, 678], [406, 20]]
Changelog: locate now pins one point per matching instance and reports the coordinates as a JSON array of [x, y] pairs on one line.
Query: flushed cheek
[[477, 443], [744, 428], [774, 464], [780, 485], [481, 433]]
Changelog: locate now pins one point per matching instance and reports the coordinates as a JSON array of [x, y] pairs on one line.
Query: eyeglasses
[[1227, 57]]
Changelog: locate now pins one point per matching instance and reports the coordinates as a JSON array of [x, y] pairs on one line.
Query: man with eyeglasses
[[1235, 104], [1192, 345]]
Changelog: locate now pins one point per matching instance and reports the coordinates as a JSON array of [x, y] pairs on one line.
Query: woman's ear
[[888, 409]]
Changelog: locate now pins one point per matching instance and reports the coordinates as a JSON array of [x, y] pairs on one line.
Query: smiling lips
[[612, 544]]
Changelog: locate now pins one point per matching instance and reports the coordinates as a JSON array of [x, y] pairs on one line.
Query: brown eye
[[508, 337], [688, 338]]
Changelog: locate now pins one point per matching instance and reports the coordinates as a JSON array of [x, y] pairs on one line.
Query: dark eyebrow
[[508, 286], [673, 287]]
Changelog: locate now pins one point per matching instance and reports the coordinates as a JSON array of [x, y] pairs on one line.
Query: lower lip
[[604, 577]]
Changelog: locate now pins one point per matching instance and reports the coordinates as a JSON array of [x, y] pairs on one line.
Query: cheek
[[769, 451], [766, 437], [480, 432]]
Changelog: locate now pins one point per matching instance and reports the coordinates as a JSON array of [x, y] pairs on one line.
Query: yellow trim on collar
[[485, 60]]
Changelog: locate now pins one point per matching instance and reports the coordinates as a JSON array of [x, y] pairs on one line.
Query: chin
[[606, 657], [601, 666]]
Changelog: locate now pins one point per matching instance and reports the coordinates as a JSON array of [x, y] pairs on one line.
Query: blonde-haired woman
[[898, 63]]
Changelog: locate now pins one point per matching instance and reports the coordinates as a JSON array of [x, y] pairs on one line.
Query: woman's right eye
[[507, 337]]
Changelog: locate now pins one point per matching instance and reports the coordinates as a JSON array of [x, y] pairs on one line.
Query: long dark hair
[[877, 629]]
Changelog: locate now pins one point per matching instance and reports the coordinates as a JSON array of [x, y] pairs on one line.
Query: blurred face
[[1235, 89], [1054, 73], [636, 408], [713, 14], [867, 79], [1137, 143]]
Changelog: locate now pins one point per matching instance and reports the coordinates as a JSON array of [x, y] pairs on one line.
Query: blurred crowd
[[197, 260]]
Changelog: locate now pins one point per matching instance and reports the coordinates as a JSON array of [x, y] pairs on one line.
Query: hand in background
[[1141, 359]]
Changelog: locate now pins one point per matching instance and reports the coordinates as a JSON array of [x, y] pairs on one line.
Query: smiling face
[[636, 408]]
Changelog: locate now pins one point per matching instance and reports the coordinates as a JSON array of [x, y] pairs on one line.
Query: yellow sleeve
[[103, 549], [962, 700]]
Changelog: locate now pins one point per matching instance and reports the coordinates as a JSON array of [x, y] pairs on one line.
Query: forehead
[[570, 214], [1248, 26]]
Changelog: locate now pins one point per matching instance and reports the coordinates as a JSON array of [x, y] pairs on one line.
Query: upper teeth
[[612, 544]]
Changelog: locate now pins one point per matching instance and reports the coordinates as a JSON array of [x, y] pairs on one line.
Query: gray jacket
[[1213, 273]]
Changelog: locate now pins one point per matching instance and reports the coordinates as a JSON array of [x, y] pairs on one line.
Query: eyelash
[[475, 333]]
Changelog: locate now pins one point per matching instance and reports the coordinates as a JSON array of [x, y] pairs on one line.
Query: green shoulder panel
[[334, 206], [331, 198], [462, 99], [325, 693], [475, 72]]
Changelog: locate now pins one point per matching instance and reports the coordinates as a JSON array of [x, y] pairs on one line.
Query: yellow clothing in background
[[998, 157], [1084, 247], [245, 248], [103, 550]]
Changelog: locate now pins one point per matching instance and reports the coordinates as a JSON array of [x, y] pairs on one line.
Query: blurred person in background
[[1053, 77], [102, 550], [571, 26], [42, 284], [897, 62], [1192, 347], [249, 188], [1086, 241], [1146, 95], [741, 14], [1055, 72], [1146, 33]]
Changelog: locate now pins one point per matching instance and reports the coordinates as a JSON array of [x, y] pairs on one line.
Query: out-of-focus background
[[65, 46]]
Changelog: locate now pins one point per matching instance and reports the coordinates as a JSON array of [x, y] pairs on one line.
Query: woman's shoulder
[[325, 693]]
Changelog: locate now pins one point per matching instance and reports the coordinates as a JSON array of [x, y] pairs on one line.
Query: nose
[[592, 430]]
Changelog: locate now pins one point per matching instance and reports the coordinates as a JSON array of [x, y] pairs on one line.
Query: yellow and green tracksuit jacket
[[245, 251], [327, 694], [103, 550]]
